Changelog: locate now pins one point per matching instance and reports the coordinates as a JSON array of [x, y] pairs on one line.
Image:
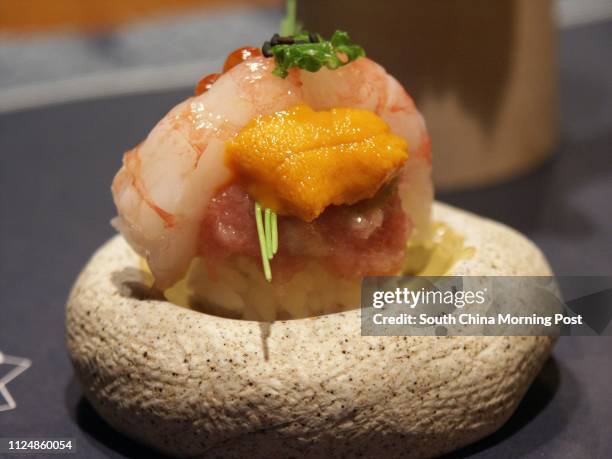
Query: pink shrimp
[[166, 183]]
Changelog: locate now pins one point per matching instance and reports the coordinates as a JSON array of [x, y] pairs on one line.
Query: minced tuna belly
[[368, 238]]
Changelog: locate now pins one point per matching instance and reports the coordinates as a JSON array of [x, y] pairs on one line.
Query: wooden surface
[[27, 16]]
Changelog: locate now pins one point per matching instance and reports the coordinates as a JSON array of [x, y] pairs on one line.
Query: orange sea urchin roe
[[300, 161]]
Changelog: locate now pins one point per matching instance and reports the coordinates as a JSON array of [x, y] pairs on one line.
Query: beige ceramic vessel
[[195, 385]]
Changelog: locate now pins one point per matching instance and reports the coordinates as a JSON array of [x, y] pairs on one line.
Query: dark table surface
[[56, 164]]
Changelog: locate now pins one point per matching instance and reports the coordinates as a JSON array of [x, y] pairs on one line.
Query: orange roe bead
[[233, 59], [206, 83], [240, 55]]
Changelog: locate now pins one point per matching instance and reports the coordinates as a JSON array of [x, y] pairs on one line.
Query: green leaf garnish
[[267, 232], [274, 234], [333, 53], [289, 24]]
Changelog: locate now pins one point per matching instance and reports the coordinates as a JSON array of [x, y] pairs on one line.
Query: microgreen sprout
[[267, 232]]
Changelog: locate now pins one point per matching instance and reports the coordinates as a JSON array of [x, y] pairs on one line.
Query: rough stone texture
[[196, 385]]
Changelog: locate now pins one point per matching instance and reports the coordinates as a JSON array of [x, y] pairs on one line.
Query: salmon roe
[[233, 59], [240, 55], [205, 83]]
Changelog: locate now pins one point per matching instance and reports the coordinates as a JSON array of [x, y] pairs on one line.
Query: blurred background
[[517, 95]]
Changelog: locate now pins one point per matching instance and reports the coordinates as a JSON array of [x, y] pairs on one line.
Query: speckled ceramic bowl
[[195, 385]]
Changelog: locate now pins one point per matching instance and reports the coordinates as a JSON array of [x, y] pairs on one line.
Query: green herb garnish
[[289, 24], [333, 53], [267, 231], [308, 51], [274, 234]]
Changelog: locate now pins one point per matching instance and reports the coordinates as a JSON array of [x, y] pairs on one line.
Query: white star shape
[[19, 366]]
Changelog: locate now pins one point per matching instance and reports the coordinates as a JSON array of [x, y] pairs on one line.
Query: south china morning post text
[[458, 299], [467, 306]]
